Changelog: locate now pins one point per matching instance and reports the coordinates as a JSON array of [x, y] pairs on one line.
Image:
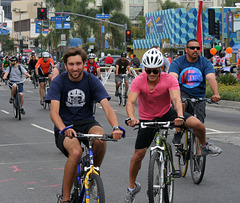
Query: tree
[[231, 2], [168, 4], [7, 43]]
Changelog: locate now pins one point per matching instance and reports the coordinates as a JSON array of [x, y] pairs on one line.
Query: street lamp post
[[20, 28]]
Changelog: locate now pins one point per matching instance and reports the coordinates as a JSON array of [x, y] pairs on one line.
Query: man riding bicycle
[[43, 69], [92, 66], [122, 66], [192, 71], [14, 74], [154, 91], [72, 94]]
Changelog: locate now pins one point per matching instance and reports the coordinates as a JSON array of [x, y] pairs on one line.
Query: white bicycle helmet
[[91, 56], [45, 54], [152, 58]]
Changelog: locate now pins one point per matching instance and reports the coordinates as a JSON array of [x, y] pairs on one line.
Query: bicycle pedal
[[176, 174]]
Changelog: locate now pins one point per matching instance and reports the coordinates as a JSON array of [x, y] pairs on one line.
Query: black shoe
[[11, 100], [177, 138], [22, 111]]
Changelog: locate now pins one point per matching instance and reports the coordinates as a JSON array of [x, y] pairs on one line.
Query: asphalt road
[[31, 167]]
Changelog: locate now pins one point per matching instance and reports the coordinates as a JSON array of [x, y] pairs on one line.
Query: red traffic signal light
[[128, 35], [42, 14]]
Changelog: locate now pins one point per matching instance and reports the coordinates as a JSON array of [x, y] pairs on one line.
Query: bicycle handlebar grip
[[126, 120]]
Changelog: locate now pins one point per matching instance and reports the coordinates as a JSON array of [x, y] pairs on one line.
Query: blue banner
[[66, 25], [58, 25], [38, 26]]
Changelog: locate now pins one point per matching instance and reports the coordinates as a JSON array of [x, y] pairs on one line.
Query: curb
[[226, 104]]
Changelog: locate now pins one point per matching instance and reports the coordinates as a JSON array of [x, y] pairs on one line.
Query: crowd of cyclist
[[143, 89]]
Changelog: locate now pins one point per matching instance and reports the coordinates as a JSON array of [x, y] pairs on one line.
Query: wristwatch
[[116, 128], [182, 117]]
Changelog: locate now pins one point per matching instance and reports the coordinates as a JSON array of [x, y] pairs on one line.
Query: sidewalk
[[227, 104]]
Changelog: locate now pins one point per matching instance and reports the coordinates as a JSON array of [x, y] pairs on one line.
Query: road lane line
[[42, 128], [6, 112], [29, 91], [19, 144]]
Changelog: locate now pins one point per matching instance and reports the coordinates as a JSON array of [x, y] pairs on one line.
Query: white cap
[[109, 55]]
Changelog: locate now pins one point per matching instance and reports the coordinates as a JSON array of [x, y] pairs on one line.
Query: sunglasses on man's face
[[149, 71], [193, 48]]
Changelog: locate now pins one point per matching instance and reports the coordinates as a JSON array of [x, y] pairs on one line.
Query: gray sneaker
[[211, 149], [131, 195]]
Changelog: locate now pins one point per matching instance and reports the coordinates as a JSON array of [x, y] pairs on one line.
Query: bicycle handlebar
[[198, 100]]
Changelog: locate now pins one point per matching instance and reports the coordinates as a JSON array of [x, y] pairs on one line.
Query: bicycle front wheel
[[155, 184], [44, 96], [96, 190], [197, 161], [19, 106], [120, 95], [124, 99], [169, 180], [184, 153], [15, 106]]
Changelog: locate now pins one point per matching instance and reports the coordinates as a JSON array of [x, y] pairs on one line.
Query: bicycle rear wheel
[[168, 191], [184, 153], [96, 189], [197, 161], [124, 100], [155, 184]]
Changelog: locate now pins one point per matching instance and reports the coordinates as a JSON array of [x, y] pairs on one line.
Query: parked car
[[115, 58]]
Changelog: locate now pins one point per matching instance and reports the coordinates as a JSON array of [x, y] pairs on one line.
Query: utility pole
[[223, 43]]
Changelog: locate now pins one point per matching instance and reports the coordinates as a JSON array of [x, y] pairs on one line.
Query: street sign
[[63, 37], [63, 43], [103, 16], [58, 18]]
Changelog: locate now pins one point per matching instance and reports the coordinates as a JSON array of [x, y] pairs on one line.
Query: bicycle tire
[[44, 96], [155, 191], [168, 190], [15, 109], [120, 95], [123, 94], [184, 153], [96, 194], [197, 162], [19, 106]]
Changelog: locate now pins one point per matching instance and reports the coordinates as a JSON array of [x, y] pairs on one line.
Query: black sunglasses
[[193, 48], [149, 71]]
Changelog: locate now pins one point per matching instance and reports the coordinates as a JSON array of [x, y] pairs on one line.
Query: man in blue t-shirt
[[192, 71], [72, 94]]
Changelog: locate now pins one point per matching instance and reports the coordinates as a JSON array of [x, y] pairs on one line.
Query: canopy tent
[[27, 50]]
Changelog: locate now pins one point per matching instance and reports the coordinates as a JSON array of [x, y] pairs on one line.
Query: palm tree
[[168, 4]]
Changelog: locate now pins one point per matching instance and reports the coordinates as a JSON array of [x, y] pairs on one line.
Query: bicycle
[[161, 170], [45, 91], [190, 148], [34, 79], [17, 100], [88, 185], [122, 94]]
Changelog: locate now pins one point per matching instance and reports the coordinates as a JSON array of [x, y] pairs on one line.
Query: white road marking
[[219, 132], [29, 91], [42, 128], [6, 112], [19, 144]]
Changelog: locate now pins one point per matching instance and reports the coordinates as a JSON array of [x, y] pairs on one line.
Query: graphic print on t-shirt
[[76, 98], [190, 77]]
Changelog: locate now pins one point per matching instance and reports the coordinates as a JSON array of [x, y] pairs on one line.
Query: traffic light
[[211, 21], [42, 14], [128, 35], [217, 30], [36, 43]]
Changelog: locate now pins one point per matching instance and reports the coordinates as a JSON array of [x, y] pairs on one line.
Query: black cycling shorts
[[82, 126], [145, 135]]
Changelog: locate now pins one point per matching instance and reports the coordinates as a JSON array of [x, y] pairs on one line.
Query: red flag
[[199, 24]]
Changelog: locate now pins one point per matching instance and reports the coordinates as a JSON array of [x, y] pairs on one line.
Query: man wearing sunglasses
[[154, 91], [192, 71]]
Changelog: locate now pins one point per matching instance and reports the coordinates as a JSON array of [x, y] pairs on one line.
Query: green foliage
[[227, 92], [168, 4], [113, 51], [227, 79], [86, 47], [231, 2], [7, 43]]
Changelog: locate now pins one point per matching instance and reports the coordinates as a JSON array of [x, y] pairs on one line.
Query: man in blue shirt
[[72, 94], [192, 71]]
